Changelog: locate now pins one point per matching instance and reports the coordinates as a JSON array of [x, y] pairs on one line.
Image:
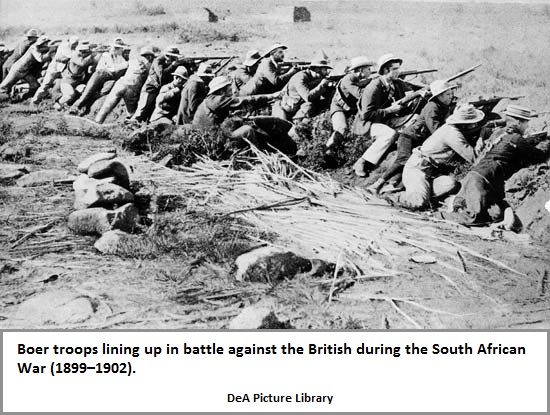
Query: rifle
[[487, 105], [404, 74], [198, 59], [537, 137], [223, 65], [420, 92], [300, 64]]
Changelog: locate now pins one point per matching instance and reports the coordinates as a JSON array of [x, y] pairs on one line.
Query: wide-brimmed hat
[[521, 113], [439, 86], [146, 50], [319, 63], [219, 82], [83, 47], [172, 51], [181, 71], [205, 69], [32, 33], [252, 58], [118, 43], [385, 59], [73, 40], [465, 114], [273, 48], [42, 40], [360, 62]]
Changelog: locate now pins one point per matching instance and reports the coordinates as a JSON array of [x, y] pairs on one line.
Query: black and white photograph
[[286, 164]]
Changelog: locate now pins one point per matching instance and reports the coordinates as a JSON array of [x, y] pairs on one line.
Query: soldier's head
[[466, 118], [442, 91], [389, 66], [73, 42], [147, 53], [117, 47], [32, 35], [276, 52], [320, 67], [220, 85], [180, 76], [42, 44], [251, 60], [205, 71], [362, 66], [519, 117], [171, 53], [83, 49]]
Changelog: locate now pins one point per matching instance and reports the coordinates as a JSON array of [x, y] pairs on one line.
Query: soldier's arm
[[371, 100], [460, 146], [433, 118]]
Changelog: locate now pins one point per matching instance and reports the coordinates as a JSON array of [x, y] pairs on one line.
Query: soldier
[[75, 75], [111, 66], [344, 100], [30, 38], [128, 86], [28, 68], [422, 174], [220, 102], [303, 94], [5, 53], [168, 99], [160, 74], [244, 73], [432, 116], [481, 197], [193, 93], [269, 76], [378, 111], [56, 66]]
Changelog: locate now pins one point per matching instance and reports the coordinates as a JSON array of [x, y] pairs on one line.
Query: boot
[[333, 141], [360, 167], [376, 186]]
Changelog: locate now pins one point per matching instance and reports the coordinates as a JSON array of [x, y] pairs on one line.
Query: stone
[[97, 221], [301, 14], [42, 177], [87, 162], [56, 308], [259, 316], [270, 264], [110, 168], [10, 172], [113, 242], [99, 193], [92, 221]]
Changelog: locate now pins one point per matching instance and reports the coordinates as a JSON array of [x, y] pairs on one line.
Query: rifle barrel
[[461, 74], [414, 72]]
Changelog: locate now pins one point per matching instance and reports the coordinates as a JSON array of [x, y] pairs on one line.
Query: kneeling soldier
[[168, 99], [481, 198]]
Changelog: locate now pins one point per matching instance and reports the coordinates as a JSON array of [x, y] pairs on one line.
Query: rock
[[99, 193], [212, 17], [87, 162], [10, 172], [301, 14], [519, 180], [90, 221], [259, 316], [42, 177], [113, 242], [56, 308], [126, 218], [97, 221], [58, 161], [269, 264], [110, 168]]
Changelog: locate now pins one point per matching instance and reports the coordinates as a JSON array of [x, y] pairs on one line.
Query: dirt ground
[[53, 278]]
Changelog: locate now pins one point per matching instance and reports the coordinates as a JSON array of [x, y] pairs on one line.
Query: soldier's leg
[[47, 83], [443, 186], [145, 106], [131, 97], [306, 110], [10, 80], [94, 84], [33, 86], [110, 102], [279, 112], [68, 93], [384, 137], [418, 189], [339, 125]]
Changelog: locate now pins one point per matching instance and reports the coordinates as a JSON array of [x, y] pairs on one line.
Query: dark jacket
[[192, 94], [267, 79], [305, 86], [432, 116], [509, 153], [376, 97], [160, 74]]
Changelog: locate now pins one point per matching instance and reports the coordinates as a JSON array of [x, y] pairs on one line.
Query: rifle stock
[[404, 74]]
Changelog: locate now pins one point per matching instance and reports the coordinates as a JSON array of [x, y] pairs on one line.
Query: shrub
[[149, 11]]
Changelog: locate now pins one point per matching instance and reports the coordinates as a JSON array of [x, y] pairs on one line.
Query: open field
[[166, 286]]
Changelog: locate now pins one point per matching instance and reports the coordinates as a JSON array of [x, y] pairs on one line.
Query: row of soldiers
[[160, 88]]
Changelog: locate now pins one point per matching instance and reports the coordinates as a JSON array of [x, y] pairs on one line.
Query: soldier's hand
[[394, 108]]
